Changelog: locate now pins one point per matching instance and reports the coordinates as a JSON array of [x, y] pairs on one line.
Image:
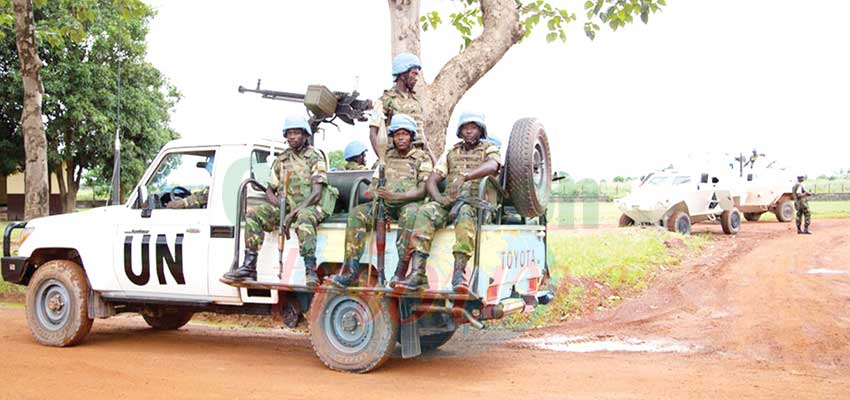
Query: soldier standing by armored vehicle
[[355, 157], [402, 99], [801, 202], [465, 164], [306, 170], [407, 170]]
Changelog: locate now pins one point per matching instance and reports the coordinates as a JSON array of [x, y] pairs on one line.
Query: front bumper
[[14, 269]]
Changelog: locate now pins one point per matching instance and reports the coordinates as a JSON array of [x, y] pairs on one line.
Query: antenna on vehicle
[[116, 164]]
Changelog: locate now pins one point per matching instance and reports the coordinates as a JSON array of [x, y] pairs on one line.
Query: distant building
[[12, 195]]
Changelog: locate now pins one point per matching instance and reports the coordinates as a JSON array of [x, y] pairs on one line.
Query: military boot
[[247, 271], [418, 279], [310, 277], [348, 276], [806, 231], [799, 231], [400, 271], [458, 283]]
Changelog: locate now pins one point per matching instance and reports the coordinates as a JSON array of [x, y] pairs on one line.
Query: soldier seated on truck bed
[[197, 199], [355, 157], [308, 178], [465, 164], [407, 169]]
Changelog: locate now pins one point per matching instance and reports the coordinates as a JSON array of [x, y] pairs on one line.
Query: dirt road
[[765, 314]]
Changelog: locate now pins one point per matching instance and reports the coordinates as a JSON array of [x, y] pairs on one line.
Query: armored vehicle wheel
[[785, 211], [528, 168], [625, 220], [167, 319], [752, 217], [680, 222], [730, 221], [432, 342], [353, 332], [57, 304]]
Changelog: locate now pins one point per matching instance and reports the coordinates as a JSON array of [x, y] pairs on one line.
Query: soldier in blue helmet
[[407, 169], [355, 157], [402, 99], [307, 171], [465, 165]]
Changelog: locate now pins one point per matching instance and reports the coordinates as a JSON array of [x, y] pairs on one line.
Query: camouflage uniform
[[395, 102], [353, 166], [197, 199], [433, 215], [303, 169], [801, 203], [403, 173]]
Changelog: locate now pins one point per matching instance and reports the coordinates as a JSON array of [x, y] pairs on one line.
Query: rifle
[[379, 206], [283, 230], [474, 202], [323, 105]]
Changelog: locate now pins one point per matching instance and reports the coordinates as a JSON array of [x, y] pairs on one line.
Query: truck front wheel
[[353, 332], [57, 304], [785, 211], [680, 222], [730, 221]]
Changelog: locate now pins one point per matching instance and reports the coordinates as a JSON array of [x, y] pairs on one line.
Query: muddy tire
[[166, 319], [433, 342], [353, 332], [785, 211], [679, 222], [625, 221], [752, 217], [57, 304], [730, 221], [528, 168]]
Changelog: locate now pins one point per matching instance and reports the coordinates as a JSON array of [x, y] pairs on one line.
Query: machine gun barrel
[[274, 94]]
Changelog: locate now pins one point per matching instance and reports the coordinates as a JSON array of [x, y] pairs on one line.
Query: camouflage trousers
[[265, 218], [360, 222], [803, 212], [433, 216]]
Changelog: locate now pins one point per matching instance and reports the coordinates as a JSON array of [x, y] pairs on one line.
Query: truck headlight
[[25, 234]]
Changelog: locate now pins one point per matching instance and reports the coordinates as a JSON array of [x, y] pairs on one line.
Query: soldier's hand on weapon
[[178, 203], [444, 200], [287, 220], [385, 194], [454, 188], [271, 197]]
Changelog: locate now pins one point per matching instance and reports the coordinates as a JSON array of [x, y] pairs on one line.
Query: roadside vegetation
[[597, 270]]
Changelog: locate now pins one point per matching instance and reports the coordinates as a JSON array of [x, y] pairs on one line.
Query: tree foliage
[[81, 43], [613, 13]]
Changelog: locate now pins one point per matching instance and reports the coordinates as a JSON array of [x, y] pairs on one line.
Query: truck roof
[[230, 141]]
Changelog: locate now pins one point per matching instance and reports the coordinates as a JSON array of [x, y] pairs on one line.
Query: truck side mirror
[[153, 201], [704, 178]]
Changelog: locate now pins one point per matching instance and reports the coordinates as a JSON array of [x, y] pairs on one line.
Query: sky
[[705, 79]]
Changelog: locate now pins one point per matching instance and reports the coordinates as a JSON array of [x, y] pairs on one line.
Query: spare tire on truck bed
[[528, 168]]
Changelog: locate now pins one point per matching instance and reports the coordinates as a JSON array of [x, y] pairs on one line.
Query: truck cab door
[[162, 252]]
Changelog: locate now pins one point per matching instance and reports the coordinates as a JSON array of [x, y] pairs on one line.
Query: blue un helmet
[[404, 62], [474, 117], [402, 121], [297, 122], [354, 149]]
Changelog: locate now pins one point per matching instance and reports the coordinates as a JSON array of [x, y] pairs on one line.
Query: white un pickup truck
[[166, 263]]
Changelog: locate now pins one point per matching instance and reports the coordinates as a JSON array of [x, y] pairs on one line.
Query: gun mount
[[323, 105]]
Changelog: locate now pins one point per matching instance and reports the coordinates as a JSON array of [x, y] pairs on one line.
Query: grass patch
[[829, 209], [597, 269]]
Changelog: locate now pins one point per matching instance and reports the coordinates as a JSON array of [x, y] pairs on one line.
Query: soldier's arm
[[431, 186], [489, 167]]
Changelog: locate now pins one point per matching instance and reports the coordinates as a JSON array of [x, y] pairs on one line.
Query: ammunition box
[[320, 101]]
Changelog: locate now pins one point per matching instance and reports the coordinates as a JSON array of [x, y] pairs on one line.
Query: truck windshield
[[669, 180], [187, 170]]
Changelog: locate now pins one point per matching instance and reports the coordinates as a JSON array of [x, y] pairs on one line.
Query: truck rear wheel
[[785, 211], [680, 222], [57, 304], [433, 342], [753, 216], [730, 221], [625, 221], [528, 168], [166, 319], [353, 332]]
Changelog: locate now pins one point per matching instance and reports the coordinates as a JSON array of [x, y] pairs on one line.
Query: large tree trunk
[[35, 142], [501, 31]]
